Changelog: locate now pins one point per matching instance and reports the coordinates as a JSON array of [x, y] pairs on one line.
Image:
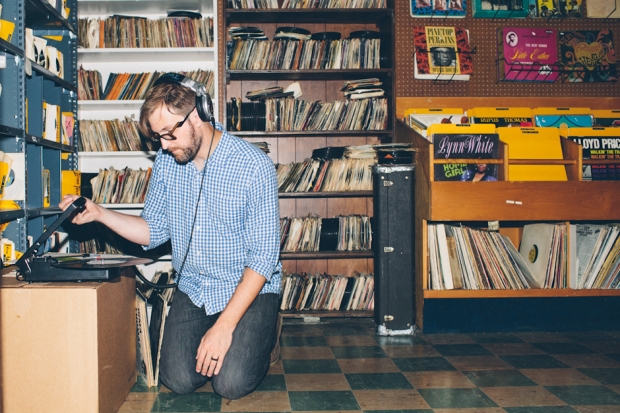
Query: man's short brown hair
[[177, 99]]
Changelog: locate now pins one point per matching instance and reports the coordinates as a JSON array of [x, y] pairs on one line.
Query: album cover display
[[587, 56], [420, 119], [502, 116], [481, 145], [560, 9], [442, 52], [505, 9], [598, 144], [438, 8], [527, 54]]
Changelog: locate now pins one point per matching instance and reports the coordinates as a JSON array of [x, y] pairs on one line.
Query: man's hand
[[91, 212], [212, 350]]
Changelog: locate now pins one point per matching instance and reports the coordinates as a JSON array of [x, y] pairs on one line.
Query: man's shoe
[[275, 353]]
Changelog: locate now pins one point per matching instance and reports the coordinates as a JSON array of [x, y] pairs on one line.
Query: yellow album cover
[[506, 116], [420, 119], [6, 162], [449, 128], [606, 117], [533, 143], [71, 183]]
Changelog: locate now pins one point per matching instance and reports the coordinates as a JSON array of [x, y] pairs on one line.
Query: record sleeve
[[535, 248]]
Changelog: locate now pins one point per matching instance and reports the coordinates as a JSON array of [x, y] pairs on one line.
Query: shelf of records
[[292, 115], [48, 125], [116, 186], [315, 234], [113, 135], [294, 48], [550, 256], [48, 13], [325, 175], [335, 172], [330, 169], [175, 30], [313, 293], [46, 52], [305, 4], [130, 86]]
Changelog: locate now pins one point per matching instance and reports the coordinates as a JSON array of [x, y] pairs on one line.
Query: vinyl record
[[92, 263], [329, 152], [297, 30], [185, 13], [329, 234], [245, 29], [326, 36], [365, 34]]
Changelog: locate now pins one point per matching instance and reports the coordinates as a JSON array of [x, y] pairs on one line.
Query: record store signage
[[466, 146]]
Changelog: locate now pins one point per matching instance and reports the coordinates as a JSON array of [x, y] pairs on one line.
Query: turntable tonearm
[[70, 267]]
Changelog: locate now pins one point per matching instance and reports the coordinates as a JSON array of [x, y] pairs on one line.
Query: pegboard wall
[[483, 37]]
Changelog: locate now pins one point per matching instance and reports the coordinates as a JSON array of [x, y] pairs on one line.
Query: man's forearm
[[246, 292], [130, 227]]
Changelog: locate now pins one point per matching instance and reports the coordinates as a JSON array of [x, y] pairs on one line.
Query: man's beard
[[188, 153]]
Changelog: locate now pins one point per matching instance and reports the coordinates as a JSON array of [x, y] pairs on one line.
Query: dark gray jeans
[[246, 362]]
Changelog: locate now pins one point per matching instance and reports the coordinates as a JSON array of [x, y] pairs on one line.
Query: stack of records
[[597, 256], [313, 233], [395, 154], [292, 33], [369, 38], [241, 33], [263, 146], [270, 92], [246, 33], [245, 116], [329, 152], [476, 259], [362, 88], [327, 292], [360, 152], [327, 42]]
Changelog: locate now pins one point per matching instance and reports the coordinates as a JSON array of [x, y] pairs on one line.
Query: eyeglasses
[[168, 136]]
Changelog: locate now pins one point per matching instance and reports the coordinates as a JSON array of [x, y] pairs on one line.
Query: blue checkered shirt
[[237, 220]]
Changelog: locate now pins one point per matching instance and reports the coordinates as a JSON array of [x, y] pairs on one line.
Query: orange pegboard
[[483, 37]]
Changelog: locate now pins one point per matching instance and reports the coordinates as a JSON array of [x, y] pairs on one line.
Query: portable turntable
[[32, 267]]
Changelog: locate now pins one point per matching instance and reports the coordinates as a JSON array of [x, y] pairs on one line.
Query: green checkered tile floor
[[341, 365]]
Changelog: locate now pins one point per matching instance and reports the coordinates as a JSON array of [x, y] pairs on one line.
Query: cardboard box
[[67, 347]]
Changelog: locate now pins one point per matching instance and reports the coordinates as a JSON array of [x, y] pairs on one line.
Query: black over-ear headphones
[[204, 105]]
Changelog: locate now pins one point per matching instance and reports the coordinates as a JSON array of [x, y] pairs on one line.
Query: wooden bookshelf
[[295, 146]]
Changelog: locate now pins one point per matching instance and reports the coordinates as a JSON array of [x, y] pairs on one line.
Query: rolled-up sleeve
[[262, 222], [154, 210]]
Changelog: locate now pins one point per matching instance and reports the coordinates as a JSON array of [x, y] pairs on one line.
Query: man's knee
[[233, 387], [182, 383]]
